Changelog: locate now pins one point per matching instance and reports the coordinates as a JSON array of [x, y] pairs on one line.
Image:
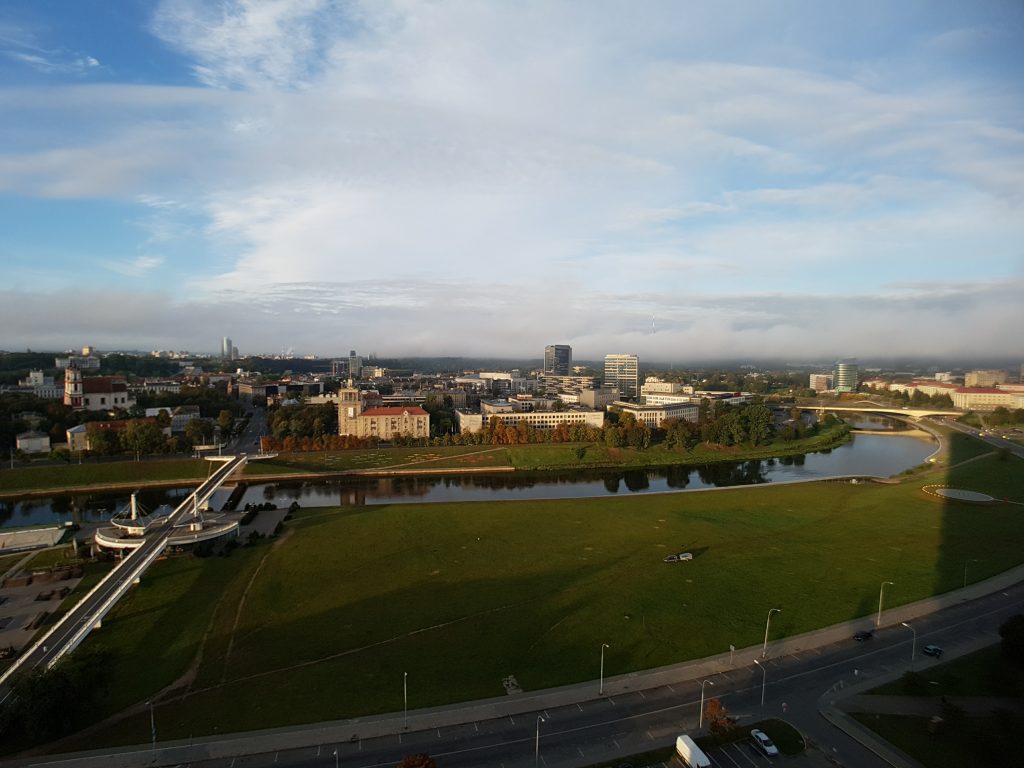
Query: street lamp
[[764, 649], [969, 560], [700, 722], [600, 690], [881, 589], [536, 742], [335, 757], [913, 642], [405, 696], [152, 724], [764, 680]]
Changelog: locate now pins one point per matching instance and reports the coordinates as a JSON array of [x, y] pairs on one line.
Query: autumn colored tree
[[417, 761], [717, 716]]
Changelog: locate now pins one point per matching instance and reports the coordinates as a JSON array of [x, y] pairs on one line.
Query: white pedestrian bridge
[[142, 552]]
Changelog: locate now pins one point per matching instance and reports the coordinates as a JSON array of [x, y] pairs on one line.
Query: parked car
[[763, 743], [932, 650], [864, 634]]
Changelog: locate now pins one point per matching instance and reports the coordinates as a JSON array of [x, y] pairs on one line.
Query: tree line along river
[[866, 455]]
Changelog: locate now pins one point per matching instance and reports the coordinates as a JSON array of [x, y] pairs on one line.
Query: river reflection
[[866, 455]]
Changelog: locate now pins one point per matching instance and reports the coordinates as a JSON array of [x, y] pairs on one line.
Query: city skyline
[[791, 182]]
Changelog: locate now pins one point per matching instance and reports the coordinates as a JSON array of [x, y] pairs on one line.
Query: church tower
[[73, 387], [350, 406]]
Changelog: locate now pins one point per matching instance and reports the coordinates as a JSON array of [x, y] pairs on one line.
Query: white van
[[691, 754]]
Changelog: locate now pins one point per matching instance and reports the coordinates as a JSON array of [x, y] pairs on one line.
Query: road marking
[[476, 727], [439, 733], [546, 715], [611, 700], [642, 695], [580, 751], [510, 718], [648, 732], [276, 755], [744, 753], [725, 676], [399, 738], [318, 748], [731, 758], [671, 688], [360, 745], [615, 742], [579, 707]]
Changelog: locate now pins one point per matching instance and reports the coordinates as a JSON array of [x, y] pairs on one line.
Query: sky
[[682, 180]]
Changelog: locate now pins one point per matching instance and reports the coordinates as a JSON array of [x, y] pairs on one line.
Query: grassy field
[[988, 741], [982, 673], [23, 479], [461, 595]]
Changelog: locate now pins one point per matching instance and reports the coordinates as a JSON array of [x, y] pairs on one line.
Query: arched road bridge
[[77, 623]]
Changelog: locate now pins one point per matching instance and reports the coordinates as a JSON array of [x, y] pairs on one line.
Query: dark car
[[932, 650], [864, 634]]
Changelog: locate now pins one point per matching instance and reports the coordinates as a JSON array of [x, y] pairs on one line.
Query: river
[[865, 454]]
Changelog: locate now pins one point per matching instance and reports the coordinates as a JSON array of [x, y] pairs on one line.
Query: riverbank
[[38, 482]]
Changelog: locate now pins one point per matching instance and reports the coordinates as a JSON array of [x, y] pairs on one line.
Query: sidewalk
[[285, 738]]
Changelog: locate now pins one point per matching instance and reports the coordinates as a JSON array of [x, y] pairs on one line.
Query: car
[[762, 743], [932, 650], [864, 634]]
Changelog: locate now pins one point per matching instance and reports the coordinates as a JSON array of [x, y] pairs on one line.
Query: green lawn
[[461, 595], [982, 673], [987, 741], [84, 475]]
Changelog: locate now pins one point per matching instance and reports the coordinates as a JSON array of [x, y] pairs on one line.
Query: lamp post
[[536, 742], [913, 642], [764, 680], [700, 722], [881, 589], [335, 757], [969, 560], [764, 649], [405, 697], [152, 724], [600, 690]]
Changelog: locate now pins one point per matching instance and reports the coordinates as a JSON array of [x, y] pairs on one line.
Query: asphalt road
[[613, 727]]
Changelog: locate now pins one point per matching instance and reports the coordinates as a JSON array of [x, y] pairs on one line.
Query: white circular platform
[[959, 495]]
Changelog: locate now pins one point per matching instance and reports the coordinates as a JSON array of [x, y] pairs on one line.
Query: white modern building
[[474, 422], [623, 371]]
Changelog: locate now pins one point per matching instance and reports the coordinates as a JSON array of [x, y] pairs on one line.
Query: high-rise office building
[[846, 376], [557, 359], [226, 349], [355, 364], [622, 371]]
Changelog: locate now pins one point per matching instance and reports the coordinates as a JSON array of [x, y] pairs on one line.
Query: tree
[[1012, 642], [417, 761], [719, 721], [225, 420], [141, 437], [198, 430]]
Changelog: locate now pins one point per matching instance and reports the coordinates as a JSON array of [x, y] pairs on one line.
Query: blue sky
[[684, 180]]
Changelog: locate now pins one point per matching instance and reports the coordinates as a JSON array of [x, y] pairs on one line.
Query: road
[[87, 613], [994, 440], [621, 723]]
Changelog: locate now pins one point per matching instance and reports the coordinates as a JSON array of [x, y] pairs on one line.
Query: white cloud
[[136, 267], [545, 153]]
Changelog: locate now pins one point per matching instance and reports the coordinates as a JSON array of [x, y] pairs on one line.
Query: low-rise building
[[33, 442], [820, 382], [985, 378], [474, 422], [598, 399], [986, 398], [653, 415]]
